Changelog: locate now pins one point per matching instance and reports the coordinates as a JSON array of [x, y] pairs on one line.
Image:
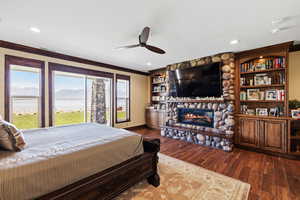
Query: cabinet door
[[248, 132], [274, 135]]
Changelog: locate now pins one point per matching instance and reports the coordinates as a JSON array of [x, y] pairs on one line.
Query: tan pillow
[[11, 138]]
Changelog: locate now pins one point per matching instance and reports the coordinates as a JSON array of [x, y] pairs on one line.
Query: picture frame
[[253, 94], [250, 112], [295, 114], [261, 79], [271, 95], [274, 112], [262, 111]]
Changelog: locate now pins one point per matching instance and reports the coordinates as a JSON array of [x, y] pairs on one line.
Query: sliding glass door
[[81, 98]]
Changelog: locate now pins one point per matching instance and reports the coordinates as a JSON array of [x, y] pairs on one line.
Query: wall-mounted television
[[198, 81]]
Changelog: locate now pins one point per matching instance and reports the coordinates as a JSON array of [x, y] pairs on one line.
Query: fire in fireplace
[[199, 117]]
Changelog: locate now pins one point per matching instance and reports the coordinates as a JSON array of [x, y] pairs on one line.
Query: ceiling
[[184, 29]]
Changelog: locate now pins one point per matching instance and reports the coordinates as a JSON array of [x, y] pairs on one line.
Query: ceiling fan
[[143, 38]]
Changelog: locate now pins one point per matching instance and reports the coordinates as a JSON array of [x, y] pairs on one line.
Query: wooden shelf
[[263, 71], [260, 101], [263, 117], [158, 92], [222, 135], [195, 101], [263, 86], [159, 83]]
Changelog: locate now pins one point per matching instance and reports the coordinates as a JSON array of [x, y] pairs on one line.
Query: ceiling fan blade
[[144, 35], [155, 49], [128, 46]]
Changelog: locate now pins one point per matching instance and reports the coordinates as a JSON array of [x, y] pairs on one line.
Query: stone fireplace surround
[[222, 133]]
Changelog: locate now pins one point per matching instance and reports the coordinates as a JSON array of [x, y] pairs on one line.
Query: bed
[[85, 161]]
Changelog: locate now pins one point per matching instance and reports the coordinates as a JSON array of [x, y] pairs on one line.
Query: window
[[24, 92], [122, 98], [79, 95]]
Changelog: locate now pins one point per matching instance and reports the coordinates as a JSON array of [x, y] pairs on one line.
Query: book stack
[[263, 64]]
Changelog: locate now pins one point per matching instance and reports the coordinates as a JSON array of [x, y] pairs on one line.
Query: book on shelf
[[263, 64]]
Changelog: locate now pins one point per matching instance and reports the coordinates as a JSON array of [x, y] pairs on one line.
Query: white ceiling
[[189, 29]]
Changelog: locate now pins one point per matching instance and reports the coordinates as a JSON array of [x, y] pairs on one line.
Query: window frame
[[52, 67], [24, 62], [127, 78]]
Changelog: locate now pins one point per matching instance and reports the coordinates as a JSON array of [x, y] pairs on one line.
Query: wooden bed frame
[[113, 181]]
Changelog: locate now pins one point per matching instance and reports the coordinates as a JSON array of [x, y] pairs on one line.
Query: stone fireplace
[[206, 121]]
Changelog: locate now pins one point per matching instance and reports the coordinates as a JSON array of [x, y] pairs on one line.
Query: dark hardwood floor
[[270, 177]]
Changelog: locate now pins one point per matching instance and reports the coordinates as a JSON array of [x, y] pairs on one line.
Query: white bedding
[[56, 157]]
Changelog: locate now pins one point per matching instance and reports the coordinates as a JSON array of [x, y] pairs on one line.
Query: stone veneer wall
[[224, 107]]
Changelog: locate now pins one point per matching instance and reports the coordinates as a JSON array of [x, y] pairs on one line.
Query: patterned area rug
[[183, 181]]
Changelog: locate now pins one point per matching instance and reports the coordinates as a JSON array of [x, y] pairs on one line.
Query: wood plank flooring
[[270, 177]]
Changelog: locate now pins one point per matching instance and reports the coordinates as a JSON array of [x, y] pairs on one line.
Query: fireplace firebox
[[198, 117]]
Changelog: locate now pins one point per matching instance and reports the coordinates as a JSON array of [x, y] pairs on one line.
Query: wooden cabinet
[[248, 133], [264, 134], [155, 118], [273, 135]]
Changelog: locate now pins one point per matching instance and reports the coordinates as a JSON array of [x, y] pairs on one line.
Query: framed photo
[[296, 114], [261, 79], [253, 94], [271, 95], [274, 112], [250, 111], [262, 111]]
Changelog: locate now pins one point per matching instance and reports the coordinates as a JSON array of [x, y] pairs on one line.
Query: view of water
[[65, 105]]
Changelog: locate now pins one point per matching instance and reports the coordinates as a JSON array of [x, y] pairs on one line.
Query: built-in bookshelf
[[262, 86], [263, 115], [158, 90]]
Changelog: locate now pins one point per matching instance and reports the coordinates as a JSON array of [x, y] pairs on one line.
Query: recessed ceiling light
[[149, 63], [234, 42], [35, 29], [275, 30]]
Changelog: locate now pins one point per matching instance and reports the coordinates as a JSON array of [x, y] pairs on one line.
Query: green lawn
[[28, 121]]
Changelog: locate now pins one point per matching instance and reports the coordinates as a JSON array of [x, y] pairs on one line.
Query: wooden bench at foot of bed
[[113, 181]]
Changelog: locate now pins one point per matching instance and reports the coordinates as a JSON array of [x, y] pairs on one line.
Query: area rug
[[183, 181]]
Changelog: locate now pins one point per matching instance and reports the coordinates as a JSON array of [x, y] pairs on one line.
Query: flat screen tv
[[198, 81]]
